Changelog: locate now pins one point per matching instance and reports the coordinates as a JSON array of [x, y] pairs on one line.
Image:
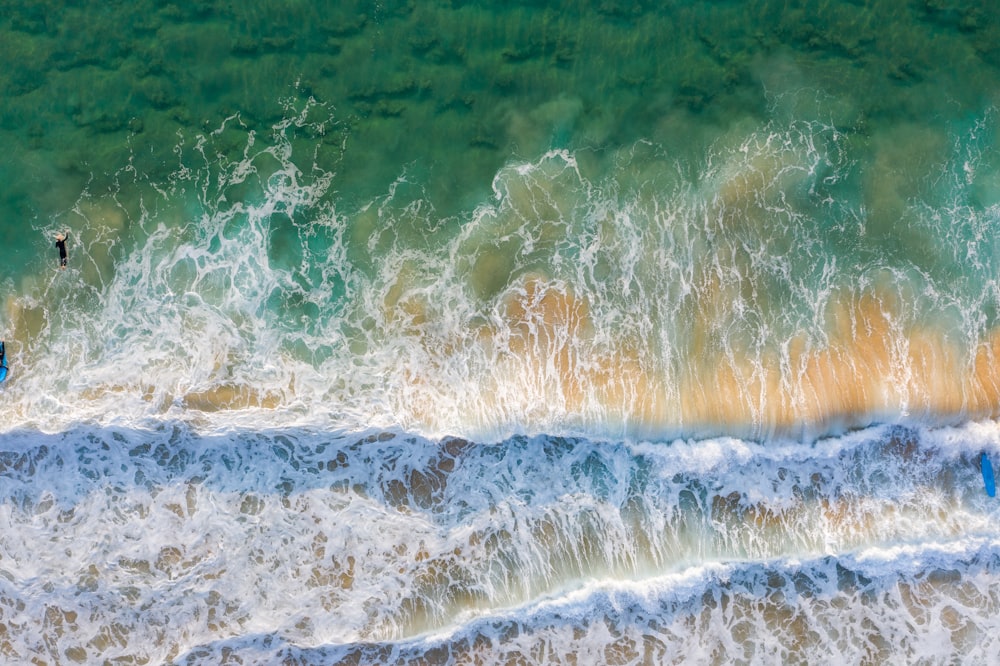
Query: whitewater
[[608, 414]]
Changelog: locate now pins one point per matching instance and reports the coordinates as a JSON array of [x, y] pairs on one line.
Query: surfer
[[3, 362], [61, 245]]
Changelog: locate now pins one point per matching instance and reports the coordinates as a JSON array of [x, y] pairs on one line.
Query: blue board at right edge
[[991, 486]]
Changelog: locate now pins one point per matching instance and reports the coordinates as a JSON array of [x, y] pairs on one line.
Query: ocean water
[[500, 333]]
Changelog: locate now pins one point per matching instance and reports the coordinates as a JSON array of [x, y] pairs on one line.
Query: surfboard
[[987, 466]]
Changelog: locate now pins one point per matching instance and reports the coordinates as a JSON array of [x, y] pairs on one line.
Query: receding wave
[[612, 296]]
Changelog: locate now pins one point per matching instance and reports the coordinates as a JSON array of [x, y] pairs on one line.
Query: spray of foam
[[634, 301]]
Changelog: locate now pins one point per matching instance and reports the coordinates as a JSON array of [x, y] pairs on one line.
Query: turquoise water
[[456, 333]]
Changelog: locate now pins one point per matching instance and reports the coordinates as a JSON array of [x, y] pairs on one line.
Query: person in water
[[61, 246], [3, 362]]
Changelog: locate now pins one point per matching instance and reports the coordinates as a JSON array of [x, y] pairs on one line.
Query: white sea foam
[[166, 543], [629, 303]]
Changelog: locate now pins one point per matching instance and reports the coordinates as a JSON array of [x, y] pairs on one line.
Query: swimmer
[[3, 362], [61, 245]]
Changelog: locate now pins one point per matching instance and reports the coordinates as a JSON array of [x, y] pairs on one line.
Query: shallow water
[[460, 333]]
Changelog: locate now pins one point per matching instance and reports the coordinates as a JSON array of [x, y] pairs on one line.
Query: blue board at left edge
[[987, 467]]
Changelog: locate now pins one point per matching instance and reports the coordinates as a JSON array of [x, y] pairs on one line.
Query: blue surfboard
[[991, 486]]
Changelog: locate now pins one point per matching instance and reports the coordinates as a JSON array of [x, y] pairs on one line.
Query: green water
[[445, 93]]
